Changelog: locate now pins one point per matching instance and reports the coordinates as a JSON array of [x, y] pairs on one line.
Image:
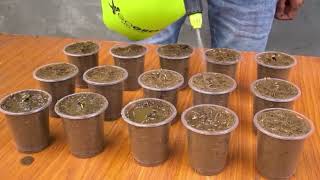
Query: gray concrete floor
[[82, 18]]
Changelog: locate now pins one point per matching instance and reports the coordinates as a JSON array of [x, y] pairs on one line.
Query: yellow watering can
[[140, 19]]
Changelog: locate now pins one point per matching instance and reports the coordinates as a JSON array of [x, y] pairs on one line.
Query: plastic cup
[[85, 132], [30, 130], [278, 156], [179, 64], [227, 68], [208, 150], [58, 88], [83, 62], [113, 91], [280, 72], [200, 96], [149, 142], [133, 64]]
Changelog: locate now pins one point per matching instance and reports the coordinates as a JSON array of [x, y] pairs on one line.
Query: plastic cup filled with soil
[[84, 55], [108, 81], [274, 64], [131, 58], [281, 135], [27, 115], [176, 57], [211, 88], [161, 84], [223, 60], [83, 116], [208, 130], [58, 79], [149, 121], [273, 93]]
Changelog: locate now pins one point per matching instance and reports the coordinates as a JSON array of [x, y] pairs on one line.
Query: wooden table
[[20, 55]]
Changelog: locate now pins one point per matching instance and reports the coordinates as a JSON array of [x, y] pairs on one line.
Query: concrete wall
[[82, 18]]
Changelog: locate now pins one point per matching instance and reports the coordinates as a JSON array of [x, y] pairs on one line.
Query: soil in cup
[[222, 55], [283, 123], [275, 59], [273, 88], [56, 71], [161, 79], [105, 74], [25, 101], [212, 82], [175, 50], [131, 50], [149, 111], [210, 118], [81, 104], [82, 47]]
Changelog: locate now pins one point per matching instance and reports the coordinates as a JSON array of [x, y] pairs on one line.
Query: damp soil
[[81, 104], [161, 79], [275, 59], [175, 50], [130, 50], [105, 74], [149, 112], [212, 82], [56, 71], [82, 48], [222, 55], [26, 160], [283, 123], [275, 89], [25, 101], [210, 118]]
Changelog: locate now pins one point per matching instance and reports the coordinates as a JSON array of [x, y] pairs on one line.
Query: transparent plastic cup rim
[[85, 77], [252, 88], [178, 85], [128, 57], [272, 66], [176, 57], [29, 112], [205, 132], [34, 74], [80, 55], [166, 121], [234, 86], [81, 117], [264, 131], [223, 63]]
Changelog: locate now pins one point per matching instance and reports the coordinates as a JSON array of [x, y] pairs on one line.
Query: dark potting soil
[[27, 160], [82, 47], [149, 111], [212, 82], [283, 123], [222, 55], [105, 74], [25, 101], [210, 118], [275, 59], [81, 104], [56, 71], [175, 50], [130, 50], [275, 89], [161, 79]]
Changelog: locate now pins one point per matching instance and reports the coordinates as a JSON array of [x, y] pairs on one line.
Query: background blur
[[82, 18]]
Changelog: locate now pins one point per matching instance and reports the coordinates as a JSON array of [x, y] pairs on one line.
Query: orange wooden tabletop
[[20, 55]]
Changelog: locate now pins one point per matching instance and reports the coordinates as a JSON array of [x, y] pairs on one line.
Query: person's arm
[[287, 9]]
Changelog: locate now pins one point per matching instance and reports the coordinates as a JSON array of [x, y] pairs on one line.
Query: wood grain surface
[[21, 54]]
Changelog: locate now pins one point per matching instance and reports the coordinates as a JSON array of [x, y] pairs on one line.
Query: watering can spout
[[140, 19]]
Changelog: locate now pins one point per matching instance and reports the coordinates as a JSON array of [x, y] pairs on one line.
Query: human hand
[[287, 9]]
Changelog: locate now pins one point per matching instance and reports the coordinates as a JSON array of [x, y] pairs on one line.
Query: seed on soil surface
[[275, 59], [283, 123], [56, 71], [161, 79], [82, 47], [222, 55], [212, 82], [105, 74], [175, 50], [130, 50], [210, 118]]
